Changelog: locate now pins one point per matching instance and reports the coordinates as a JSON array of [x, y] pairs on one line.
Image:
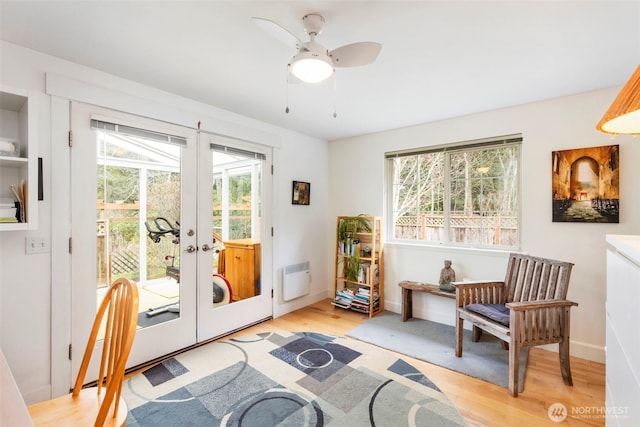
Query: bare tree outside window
[[460, 195]]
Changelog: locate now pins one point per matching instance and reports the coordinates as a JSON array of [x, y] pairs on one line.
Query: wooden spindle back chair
[[101, 405]]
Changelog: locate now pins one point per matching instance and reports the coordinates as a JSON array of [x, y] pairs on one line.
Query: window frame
[[447, 150]]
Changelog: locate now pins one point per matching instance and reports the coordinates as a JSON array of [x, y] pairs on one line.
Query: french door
[[158, 204], [234, 208]]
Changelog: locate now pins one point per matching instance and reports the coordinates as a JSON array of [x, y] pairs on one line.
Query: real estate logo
[[557, 412]]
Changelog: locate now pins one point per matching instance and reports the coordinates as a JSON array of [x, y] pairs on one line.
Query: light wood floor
[[481, 403]]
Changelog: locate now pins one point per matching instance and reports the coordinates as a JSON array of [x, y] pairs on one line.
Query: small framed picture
[[301, 193]]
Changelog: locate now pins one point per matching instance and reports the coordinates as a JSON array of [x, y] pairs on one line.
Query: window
[[464, 194]]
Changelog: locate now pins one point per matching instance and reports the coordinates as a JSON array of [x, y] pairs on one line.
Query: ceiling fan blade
[[278, 32], [355, 54]]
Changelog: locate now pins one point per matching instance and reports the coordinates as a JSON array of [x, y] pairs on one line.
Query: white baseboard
[[37, 395], [295, 304], [581, 350]]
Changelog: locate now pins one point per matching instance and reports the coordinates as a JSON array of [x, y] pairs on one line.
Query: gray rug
[[286, 379], [435, 343]]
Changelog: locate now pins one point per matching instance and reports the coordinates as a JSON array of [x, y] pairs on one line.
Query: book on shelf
[[358, 300], [361, 298], [349, 247], [345, 293], [9, 210], [364, 308], [343, 298], [341, 303], [19, 204], [367, 275]]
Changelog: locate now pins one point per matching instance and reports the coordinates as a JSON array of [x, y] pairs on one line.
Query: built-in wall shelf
[[18, 159], [13, 162]]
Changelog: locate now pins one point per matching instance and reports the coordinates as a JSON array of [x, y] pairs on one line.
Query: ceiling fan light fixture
[[311, 67]]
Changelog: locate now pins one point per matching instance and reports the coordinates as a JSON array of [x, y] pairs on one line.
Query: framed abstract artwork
[[586, 184], [301, 193]]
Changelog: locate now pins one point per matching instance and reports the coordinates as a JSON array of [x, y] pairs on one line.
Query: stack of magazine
[[361, 300], [343, 298], [8, 210], [357, 301]]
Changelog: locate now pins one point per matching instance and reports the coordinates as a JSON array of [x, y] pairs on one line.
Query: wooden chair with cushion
[[528, 308], [100, 405]]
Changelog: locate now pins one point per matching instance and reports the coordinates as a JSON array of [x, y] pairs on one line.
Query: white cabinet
[[623, 336], [18, 154]]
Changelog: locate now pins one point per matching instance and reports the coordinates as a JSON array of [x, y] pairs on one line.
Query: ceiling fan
[[314, 63]]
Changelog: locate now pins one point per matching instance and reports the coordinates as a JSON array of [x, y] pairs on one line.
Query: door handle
[[190, 249], [206, 247]]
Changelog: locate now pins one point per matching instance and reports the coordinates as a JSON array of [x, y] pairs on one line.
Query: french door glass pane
[[138, 220], [237, 213]]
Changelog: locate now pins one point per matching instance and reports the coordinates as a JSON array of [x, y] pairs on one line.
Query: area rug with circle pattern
[[286, 379]]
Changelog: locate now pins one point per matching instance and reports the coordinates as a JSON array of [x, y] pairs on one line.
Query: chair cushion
[[496, 312]]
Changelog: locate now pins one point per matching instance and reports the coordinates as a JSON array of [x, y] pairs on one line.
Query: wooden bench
[[407, 295]]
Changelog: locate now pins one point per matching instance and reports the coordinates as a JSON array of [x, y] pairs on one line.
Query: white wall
[[306, 232], [27, 282], [556, 124], [307, 225]]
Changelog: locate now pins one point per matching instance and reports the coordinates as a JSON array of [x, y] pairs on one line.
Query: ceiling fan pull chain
[[335, 114], [286, 110]]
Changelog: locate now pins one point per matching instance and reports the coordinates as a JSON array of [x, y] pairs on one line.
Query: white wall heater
[[296, 281]]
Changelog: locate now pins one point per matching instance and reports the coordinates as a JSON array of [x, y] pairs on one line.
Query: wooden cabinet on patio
[[242, 267]]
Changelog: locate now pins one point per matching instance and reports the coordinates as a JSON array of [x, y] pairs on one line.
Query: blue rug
[[435, 343], [286, 379]]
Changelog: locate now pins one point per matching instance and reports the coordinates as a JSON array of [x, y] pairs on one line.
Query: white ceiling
[[438, 60]]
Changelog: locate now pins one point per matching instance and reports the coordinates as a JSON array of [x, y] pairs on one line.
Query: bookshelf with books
[[18, 161], [359, 274]]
